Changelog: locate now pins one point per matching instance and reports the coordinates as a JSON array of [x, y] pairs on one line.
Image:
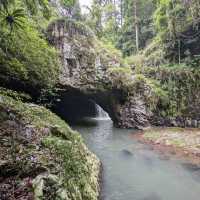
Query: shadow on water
[[126, 153], [152, 196], [191, 167], [86, 122]]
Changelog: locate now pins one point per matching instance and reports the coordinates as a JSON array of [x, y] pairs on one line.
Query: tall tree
[[137, 28]]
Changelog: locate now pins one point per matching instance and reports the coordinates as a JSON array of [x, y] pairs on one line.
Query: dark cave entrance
[[74, 107]]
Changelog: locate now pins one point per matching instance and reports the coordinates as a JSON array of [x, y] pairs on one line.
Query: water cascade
[[101, 114]]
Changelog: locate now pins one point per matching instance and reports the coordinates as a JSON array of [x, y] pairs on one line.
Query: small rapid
[[101, 114]]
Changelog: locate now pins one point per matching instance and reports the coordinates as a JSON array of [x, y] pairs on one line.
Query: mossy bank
[[41, 157]]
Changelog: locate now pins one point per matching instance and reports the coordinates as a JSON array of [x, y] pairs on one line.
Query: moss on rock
[[41, 148]]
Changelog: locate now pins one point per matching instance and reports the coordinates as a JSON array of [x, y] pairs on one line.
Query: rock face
[[82, 65], [132, 101], [86, 67], [133, 112], [41, 157]]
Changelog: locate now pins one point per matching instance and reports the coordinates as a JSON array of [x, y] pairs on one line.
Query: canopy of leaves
[[26, 59]]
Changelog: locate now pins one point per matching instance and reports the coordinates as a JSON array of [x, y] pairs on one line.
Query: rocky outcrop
[[132, 100], [41, 157], [91, 68], [133, 113], [84, 61]]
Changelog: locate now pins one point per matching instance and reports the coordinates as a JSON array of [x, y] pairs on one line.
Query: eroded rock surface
[[90, 68]]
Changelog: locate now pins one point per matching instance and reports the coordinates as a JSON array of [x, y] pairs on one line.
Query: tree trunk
[[121, 13], [136, 27]]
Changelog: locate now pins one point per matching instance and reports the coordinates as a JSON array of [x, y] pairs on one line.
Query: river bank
[[41, 157], [180, 142]]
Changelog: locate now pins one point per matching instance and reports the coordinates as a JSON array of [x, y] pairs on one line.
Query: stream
[[133, 171]]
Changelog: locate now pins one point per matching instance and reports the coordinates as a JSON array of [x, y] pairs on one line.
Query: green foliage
[[94, 19], [27, 58], [56, 149], [151, 90], [160, 25], [4, 4], [154, 53], [15, 95], [121, 78], [34, 7], [11, 17], [74, 164], [68, 3], [109, 47], [176, 26], [127, 35], [73, 27], [73, 8], [136, 62], [170, 17], [194, 62], [109, 55], [181, 85]]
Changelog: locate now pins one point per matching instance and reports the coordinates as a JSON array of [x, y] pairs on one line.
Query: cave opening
[[75, 107]]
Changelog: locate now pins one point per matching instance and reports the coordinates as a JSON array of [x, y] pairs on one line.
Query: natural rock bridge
[[85, 78]]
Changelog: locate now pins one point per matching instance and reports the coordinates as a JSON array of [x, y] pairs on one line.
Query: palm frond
[[13, 18], [4, 4]]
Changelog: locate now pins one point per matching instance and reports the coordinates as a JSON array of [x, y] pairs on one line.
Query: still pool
[[132, 171]]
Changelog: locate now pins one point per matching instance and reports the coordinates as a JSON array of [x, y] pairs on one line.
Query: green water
[[132, 171]]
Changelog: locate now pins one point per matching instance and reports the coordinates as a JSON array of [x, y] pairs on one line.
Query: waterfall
[[101, 114]]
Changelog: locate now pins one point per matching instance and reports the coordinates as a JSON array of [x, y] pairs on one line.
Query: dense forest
[[165, 28], [150, 32], [162, 31], [166, 23], [61, 62]]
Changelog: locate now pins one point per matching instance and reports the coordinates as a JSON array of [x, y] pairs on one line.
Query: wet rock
[[174, 122], [194, 123], [85, 66], [191, 167], [188, 123], [196, 151], [126, 152], [49, 187]]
